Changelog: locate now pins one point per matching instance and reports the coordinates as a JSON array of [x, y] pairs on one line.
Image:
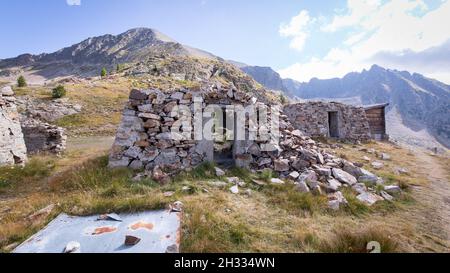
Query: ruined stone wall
[[145, 138], [43, 137], [312, 119], [12, 145]]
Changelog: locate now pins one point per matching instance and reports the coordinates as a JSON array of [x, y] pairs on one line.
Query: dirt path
[[432, 214]]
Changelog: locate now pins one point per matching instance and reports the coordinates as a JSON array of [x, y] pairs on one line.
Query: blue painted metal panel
[[158, 231]]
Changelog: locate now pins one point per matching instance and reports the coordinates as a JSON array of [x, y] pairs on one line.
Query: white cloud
[[296, 30], [393, 27], [73, 2]]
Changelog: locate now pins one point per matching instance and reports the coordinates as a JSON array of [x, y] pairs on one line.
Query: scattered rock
[[281, 165], [335, 200], [234, 189], [393, 189], [386, 196], [7, 91], [259, 182], [219, 172], [233, 180], [377, 165], [333, 185], [276, 181], [159, 176], [385, 156], [359, 188], [367, 159], [369, 198], [177, 206], [294, 175], [302, 187], [402, 171]]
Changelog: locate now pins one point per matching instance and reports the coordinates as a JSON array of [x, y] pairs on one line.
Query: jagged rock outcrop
[[12, 144]]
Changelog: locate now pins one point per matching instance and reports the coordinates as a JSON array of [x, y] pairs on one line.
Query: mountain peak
[[377, 68]]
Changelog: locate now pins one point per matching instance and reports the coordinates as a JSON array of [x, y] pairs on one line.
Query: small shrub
[[21, 82], [283, 99], [58, 92], [103, 73]]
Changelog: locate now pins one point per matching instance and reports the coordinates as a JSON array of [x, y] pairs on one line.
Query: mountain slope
[[423, 103], [86, 57], [270, 79], [147, 56]]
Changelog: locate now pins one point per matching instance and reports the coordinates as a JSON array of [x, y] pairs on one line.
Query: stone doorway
[[333, 124], [224, 141]]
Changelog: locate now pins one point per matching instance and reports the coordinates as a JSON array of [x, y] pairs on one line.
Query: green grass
[[35, 170], [71, 121], [204, 171], [293, 201]]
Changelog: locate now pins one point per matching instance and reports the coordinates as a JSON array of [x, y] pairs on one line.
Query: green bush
[[58, 92], [21, 82], [104, 72]]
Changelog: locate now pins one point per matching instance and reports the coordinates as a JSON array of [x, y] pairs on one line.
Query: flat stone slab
[[158, 231]]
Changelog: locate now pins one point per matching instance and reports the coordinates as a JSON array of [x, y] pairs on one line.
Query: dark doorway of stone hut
[[333, 124], [224, 122]]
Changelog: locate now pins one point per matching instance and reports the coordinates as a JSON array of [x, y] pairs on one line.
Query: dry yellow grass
[[270, 219]]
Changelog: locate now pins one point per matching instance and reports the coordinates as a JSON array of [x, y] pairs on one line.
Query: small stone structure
[[330, 119], [43, 137], [12, 145], [146, 139], [376, 115]]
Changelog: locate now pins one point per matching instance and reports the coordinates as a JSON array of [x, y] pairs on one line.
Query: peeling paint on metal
[[104, 236], [141, 224]]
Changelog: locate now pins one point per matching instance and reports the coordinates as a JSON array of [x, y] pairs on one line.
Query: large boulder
[[344, 177]]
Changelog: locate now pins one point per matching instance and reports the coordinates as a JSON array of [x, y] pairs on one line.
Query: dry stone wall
[[312, 118], [12, 145], [145, 139], [43, 137]]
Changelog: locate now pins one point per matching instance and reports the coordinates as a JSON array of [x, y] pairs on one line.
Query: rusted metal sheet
[[152, 232]]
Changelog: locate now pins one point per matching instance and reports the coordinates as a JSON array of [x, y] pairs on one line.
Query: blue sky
[[300, 39]]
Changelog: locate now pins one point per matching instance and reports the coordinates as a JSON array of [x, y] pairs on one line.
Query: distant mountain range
[[418, 102]]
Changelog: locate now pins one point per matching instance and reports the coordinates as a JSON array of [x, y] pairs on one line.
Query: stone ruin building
[[21, 134], [158, 134], [338, 120], [12, 144]]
